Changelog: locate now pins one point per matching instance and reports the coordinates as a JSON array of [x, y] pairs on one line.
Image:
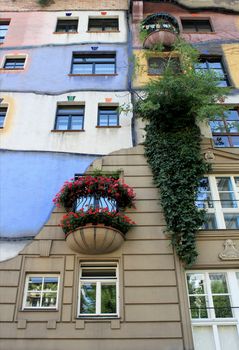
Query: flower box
[[94, 239]]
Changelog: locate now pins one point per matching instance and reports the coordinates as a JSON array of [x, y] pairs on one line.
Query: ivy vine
[[172, 107]]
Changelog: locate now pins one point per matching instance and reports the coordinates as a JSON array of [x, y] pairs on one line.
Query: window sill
[[65, 33], [80, 130], [4, 70], [100, 318], [92, 75], [108, 127], [103, 31], [38, 310]]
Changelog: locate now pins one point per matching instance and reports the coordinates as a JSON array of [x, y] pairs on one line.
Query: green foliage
[[172, 106], [44, 2]]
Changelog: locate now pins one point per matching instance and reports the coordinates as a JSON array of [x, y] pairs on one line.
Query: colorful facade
[[67, 86]]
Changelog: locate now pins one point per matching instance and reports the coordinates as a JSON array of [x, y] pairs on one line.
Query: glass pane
[[221, 141], [235, 141], [113, 120], [98, 273], [82, 68], [218, 283], [62, 123], [76, 123], [88, 298], [35, 283], [222, 306], [1, 121], [198, 307], [232, 115], [203, 338], [229, 338], [195, 283], [103, 120], [231, 221], [108, 298], [49, 299], [228, 200], [210, 222], [217, 126], [232, 126], [104, 68], [224, 184], [215, 65], [50, 283], [33, 300]]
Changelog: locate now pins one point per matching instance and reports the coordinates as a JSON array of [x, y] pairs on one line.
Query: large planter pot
[[94, 239], [165, 37]]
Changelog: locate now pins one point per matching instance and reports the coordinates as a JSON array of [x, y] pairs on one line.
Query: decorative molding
[[45, 247], [22, 324], [209, 156], [230, 251]]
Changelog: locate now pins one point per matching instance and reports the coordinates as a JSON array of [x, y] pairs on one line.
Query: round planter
[[165, 37], [94, 239]]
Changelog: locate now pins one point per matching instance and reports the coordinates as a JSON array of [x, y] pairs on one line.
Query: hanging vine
[[172, 106]]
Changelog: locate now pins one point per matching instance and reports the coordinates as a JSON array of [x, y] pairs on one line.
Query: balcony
[[160, 29], [95, 222]]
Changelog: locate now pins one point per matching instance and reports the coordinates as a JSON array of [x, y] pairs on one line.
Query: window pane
[[76, 123], [88, 298], [210, 222], [195, 283], [218, 126], [228, 336], [82, 69], [50, 283], [62, 123], [203, 338], [33, 300], [222, 306], [231, 221], [49, 299], [218, 283], [35, 283], [106, 68], [221, 141], [108, 298], [198, 307], [103, 273]]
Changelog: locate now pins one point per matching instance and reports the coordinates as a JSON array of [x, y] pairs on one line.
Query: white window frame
[[217, 208], [25, 307], [212, 321], [98, 281], [16, 56]]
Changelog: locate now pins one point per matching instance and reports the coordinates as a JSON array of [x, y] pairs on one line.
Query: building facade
[[66, 89]]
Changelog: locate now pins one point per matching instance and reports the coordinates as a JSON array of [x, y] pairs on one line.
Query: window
[[108, 116], [14, 63], [67, 25], [103, 24], [69, 117], [157, 65], [196, 25], [3, 30], [215, 64], [219, 195], [41, 292], [214, 308], [3, 112], [93, 63], [225, 130], [98, 292]]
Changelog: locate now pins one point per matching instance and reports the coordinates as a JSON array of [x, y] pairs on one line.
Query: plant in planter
[[95, 223]]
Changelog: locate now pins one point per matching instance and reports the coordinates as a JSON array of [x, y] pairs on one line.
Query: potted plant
[[95, 222]]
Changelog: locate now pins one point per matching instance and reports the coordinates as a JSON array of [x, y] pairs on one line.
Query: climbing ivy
[[172, 107]]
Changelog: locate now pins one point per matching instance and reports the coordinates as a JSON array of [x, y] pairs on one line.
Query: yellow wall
[[231, 54]]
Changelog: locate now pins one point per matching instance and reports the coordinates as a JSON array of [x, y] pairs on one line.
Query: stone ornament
[[209, 156], [230, 251]]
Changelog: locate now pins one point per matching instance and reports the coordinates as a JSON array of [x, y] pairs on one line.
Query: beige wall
[[150, 315]]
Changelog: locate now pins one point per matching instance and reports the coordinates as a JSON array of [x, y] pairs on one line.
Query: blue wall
[[29, 182], [47, 70]]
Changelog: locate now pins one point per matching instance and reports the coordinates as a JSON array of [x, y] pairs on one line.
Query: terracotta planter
[[94, 239], [165, 37]]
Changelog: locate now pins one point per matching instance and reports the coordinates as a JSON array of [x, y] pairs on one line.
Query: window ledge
[[4, 70], [103, 31], [108, 127], [65, 33], [92, 75], [100, 318], [80, 130], [154, 74], [38, 310]]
